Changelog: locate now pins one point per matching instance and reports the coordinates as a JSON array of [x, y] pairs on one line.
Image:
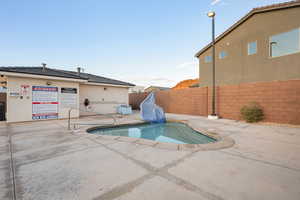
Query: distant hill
[[186, 84]]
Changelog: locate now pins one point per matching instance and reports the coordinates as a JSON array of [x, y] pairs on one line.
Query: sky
[[145, 42]]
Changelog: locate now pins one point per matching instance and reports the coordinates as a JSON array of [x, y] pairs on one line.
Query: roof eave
[[108, 84], [28, 75], [242, 20]]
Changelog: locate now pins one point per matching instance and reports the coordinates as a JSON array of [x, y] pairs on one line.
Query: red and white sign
[[24, 90], [44, 102]]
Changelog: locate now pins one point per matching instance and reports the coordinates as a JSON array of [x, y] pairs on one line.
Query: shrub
[[252, 112]]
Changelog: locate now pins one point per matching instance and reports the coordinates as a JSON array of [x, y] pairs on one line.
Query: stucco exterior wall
[[21, 109], [102, 101], [238, 67]]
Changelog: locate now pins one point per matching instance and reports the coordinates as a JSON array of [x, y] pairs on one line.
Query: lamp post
[[213, 114]]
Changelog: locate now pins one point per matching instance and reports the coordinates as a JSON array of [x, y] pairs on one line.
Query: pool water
[[171, 132]]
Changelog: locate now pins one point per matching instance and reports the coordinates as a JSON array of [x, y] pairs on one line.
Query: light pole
[[213, 114]]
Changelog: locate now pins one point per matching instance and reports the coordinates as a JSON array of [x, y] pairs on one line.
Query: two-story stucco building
[[263, 46]]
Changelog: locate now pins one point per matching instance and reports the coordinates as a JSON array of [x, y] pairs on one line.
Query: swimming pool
[[170, 132]]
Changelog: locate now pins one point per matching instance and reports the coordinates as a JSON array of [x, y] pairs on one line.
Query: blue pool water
[[171, 132]]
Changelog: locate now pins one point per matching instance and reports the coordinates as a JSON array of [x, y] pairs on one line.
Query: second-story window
[[252, 48], [208, 59], [285, 43], [223, 54]]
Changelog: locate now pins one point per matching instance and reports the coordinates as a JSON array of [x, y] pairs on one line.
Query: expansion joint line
[[12, 166], [260, 161], [153, 171]]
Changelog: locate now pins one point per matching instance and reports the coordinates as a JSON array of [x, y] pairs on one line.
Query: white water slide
[[151, 112]]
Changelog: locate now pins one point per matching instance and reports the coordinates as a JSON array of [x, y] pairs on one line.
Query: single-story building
[[155, 88], [36, 93], [137, 89], [262, 46]]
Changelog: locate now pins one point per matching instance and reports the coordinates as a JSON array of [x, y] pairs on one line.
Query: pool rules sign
[[68, 97], [44, 102]]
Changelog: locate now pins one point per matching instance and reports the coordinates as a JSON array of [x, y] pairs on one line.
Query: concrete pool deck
[[42, 160]]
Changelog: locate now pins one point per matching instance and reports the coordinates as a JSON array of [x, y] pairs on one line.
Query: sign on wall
[[68, 97], [44, 102], [24, 90]]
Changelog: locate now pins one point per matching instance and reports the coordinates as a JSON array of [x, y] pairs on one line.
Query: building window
[[252, 48], [223, 54], [208, 59], [285, 43]]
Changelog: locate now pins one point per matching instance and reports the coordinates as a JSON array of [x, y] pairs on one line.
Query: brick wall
[[280, 100]]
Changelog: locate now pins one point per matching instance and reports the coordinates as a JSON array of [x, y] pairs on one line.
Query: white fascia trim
[[41, 77], [104, 84]]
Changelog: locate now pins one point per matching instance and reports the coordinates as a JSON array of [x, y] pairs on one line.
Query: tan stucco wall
[[21, 109], [102, 101], [238, 67]]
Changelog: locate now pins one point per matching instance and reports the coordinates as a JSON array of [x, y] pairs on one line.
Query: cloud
[[167, 78], [150, 80], [187, 65], [160, 79], [214, 2]]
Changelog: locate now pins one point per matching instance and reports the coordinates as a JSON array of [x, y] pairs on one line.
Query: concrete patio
[[42, 160]]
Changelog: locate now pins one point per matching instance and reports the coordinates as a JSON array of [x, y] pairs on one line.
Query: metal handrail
[[69, 117]]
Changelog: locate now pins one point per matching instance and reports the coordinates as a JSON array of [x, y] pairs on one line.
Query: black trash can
[[2, 111]]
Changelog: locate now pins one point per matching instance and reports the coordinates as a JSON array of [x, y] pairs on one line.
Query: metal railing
[[95, 113]]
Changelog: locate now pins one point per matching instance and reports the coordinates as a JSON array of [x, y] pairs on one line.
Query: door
[[2, 111]]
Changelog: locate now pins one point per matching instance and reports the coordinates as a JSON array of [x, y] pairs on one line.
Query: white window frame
[[248, 48], [269, 44]]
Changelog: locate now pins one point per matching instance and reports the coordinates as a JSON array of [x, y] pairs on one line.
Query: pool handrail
[[107, 115]]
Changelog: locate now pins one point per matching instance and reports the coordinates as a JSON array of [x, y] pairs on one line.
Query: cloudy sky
[[146, 42]]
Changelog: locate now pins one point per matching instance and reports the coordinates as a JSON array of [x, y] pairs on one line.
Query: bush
[[252, 113]]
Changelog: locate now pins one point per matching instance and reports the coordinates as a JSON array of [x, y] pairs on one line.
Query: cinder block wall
[[280, 100], [192, 101], [135, 99]]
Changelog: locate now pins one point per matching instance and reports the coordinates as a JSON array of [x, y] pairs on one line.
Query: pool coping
[[221, 142]]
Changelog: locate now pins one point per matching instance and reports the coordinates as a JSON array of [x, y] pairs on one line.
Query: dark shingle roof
[[39, 71], [98, 79], [64, 74], [290, 4], [101, 79]]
